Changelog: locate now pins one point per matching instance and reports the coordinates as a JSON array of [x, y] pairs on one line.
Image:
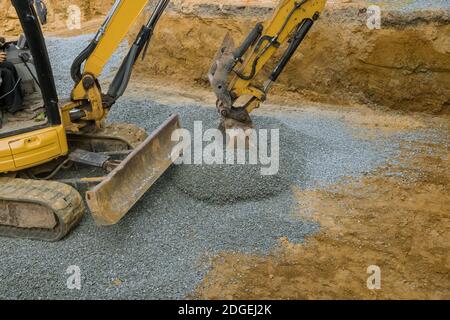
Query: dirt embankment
[[403, 66]]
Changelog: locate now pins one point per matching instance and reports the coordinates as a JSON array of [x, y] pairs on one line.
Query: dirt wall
[[405, 65]]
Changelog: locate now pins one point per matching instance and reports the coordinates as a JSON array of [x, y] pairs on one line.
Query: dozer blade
[[110, 200]]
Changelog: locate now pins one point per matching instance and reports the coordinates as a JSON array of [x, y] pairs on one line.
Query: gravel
[[162, 248]]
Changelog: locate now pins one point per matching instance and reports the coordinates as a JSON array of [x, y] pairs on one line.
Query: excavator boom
[[89, 64], [36, 200]]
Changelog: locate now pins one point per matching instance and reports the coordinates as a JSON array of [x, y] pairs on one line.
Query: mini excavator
[[53, 136]]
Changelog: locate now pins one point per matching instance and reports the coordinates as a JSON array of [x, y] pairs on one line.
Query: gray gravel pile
[[314, 151], [161, 249]]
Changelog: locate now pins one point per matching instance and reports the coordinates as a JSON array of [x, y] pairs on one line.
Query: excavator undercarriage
[[39, 210], [123, 161]]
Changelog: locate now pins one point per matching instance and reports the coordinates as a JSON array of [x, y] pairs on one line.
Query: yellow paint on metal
[[240, 87], [65, 116], [121, 22], [32, 148]]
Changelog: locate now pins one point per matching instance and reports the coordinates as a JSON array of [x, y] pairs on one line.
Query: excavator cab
[[64, 149]]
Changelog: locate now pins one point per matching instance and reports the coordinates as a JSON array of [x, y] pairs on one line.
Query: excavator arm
[[235, 70], [88, 103]]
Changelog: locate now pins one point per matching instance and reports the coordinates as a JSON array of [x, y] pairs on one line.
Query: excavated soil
[[396, 218], [57, 14], [402, 66]]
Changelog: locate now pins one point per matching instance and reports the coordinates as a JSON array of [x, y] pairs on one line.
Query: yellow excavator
[[236, 73], [37, 201]]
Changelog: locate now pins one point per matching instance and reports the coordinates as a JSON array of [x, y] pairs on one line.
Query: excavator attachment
[[110, 200], [236, 74]]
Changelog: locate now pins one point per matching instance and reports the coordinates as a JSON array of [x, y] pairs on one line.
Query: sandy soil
[[57, 14], [402, 66], [396, 218]]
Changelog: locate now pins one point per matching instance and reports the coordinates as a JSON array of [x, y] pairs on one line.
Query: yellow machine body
[[33, 148], [30, 149]]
